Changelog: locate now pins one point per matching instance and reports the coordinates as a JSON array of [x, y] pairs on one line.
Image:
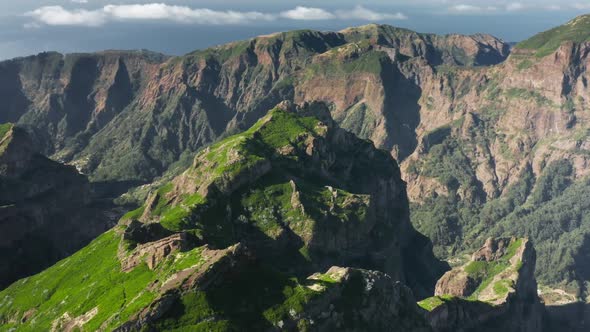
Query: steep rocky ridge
[[496, 290], [219, 198], [237, 240], [129, 115], [46, 209]]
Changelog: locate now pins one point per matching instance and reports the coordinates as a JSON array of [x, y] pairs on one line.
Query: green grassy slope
[[4, 128], [89, 279], [545, 43]]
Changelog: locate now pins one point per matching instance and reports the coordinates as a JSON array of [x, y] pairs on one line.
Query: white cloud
[[553, 7], [356, 13], [505, 6], [581, 6], [79, 1], [471, 9], [307, 13], [515, 6], [160, 11], [362, 13], [57, 15]]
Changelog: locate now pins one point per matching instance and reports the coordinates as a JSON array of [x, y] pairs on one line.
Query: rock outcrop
[[496, 290]]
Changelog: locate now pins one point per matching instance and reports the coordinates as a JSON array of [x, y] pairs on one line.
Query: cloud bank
[[58, 15], [511, 6]]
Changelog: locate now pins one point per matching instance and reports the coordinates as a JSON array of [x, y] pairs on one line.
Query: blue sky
[[180, 26]]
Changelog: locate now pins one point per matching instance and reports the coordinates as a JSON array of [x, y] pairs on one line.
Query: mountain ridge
[[253, 216]]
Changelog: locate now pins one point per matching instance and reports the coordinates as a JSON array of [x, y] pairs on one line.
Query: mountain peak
[[16, 148]]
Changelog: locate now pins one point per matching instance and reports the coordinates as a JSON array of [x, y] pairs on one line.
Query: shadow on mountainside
[[572, 317], [401, 110]]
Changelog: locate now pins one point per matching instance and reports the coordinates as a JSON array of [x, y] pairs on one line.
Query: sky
[[176, 27]]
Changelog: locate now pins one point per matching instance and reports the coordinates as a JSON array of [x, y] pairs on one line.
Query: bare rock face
[[456, 283], [153, 253], [496, 290], [492, 250]]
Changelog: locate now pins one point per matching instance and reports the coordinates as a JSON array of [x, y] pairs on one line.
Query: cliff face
[[495, 290], [500, 148], [45, 211], [111, 113], [237, 240]]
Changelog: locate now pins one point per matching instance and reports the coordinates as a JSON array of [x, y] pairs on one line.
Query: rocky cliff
[[129, 115], [250, 237], [45, 208], [508, 154], [496, 290]]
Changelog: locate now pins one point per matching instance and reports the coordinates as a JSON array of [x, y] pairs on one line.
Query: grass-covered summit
[[545, 43], [246, 238]]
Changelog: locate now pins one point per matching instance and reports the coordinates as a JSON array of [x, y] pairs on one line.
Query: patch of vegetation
[[501, 287], [517, 93], [545, 43], [91, 278], [525, 64], [554, 180], [269, 206], [285, 128], [560, 229], [258, 298], [515, 196], [549, 211], [134, 214], [359, 120], [366, 62], [4, 128], [485, 272], [434, 302], [447, 163]]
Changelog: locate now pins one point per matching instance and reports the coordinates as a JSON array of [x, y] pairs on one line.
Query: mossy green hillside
[[545, 43], [91, 281], [91, 278], [227, 159], [259, 298], [4, 128], [434, 302]]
